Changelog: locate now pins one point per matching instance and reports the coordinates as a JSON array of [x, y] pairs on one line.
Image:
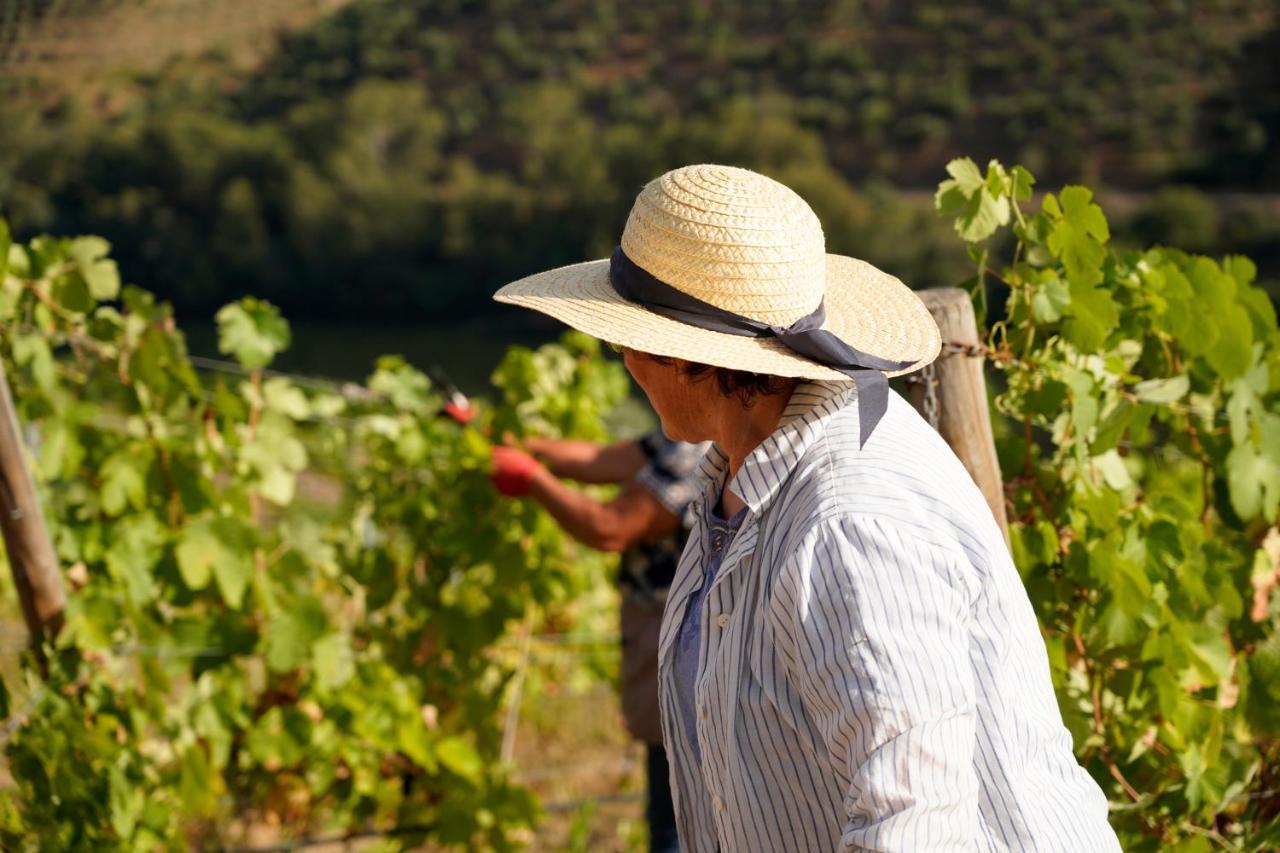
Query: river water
[[467, 351]]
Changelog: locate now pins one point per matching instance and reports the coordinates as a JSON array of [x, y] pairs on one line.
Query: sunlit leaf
[[252, 331], [220, 548], [98, 271], [1166, 390], [460, 757], [292, 633]]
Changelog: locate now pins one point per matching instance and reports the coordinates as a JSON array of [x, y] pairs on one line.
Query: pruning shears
[[456, 405]]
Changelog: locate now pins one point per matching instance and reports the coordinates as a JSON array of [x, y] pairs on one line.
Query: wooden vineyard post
[[31, 557], [958, 408]]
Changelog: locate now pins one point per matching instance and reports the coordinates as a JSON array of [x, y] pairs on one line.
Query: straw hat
[[742, 242]]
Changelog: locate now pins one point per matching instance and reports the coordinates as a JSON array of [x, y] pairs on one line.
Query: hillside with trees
[[404, 159]]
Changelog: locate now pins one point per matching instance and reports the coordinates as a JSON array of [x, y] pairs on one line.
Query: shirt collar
[[768, 466]]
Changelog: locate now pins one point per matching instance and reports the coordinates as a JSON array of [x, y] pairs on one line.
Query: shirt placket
[[730, 548], [718, 539]]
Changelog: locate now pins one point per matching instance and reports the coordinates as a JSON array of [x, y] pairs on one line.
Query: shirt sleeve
[[651, 442], [671, 474], [871, 625]]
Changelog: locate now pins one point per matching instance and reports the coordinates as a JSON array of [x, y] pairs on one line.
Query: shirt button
[[719, 803], [723, 620]]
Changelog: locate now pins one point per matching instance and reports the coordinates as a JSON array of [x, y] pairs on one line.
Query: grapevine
[[1140, 446], [284, 601]]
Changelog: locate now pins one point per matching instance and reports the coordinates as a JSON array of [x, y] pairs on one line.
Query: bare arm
[[587, 461], [633, 516]]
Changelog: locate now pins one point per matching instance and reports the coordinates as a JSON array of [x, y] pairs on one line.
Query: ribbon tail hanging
[[873, 400]]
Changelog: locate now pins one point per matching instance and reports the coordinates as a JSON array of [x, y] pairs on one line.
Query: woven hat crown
[[731, 238]]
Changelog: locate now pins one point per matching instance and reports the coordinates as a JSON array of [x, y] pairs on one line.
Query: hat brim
[[866, 308]]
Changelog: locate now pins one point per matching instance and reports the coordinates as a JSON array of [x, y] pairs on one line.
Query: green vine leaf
[[124, 481], [1254, 482], [333, 661], [979, 206], [1165, 390], [1050, 300], [218, 548], [98, 272], [292, 633], [459, 756], [133, 555], [252, 331]]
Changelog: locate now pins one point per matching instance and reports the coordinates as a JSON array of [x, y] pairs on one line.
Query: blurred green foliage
[[285, 601], [407, 158]]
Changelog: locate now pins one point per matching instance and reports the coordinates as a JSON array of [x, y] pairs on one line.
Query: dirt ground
[[573, 752], [79, 48]]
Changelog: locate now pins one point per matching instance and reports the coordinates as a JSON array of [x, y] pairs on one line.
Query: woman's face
[[683, 405]]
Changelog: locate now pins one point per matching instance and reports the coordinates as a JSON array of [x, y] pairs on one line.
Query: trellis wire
[[927, 377], [318, 383]]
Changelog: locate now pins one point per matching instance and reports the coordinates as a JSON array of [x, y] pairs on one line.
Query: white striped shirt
[[871, 675]]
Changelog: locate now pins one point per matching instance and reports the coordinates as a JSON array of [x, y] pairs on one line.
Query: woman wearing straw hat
[[848, 658]]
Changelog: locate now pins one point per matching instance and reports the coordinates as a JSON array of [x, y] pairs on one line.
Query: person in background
[[648, 523]]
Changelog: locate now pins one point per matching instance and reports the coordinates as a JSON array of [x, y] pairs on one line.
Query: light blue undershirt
[[718, 533]]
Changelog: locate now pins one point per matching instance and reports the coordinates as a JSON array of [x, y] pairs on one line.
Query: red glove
[[513, 471], [460, 412]]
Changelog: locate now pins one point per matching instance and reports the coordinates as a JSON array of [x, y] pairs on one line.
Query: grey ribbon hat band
[[804, 337]]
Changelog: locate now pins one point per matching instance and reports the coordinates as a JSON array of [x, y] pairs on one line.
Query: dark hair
[[743, 384]]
